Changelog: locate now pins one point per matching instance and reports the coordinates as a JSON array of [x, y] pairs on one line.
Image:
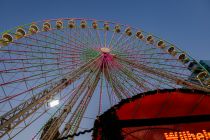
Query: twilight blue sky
[[185, 23]]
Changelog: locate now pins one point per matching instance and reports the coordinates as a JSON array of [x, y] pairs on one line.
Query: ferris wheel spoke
[[76, 44], [37, 86], [27, 68], [109, 92], [166, 75], [67, 43], [111, 40], [91, 37], [116, 41], [131, 41], [132, 44], [128, 73], [79, 92], [34, 43], [122, 78], [70, 63], [105, 39], [74, 37], [94, 38], [120, 89], [136, 83], [4, 92], [69, 40], [88, 37], [99, 38], [77, 37], [40, 68], [107, 75], [168, 69], [49, 82], [100, 97], [38, 64], [88, 98], [160, 61], [166, 65], [22, 79], [153, 80], [106, 86], [132, 78], [138, 50], [116, 86], [47, 45]]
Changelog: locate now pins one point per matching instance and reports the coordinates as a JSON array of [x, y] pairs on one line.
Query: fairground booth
[[178, 114]]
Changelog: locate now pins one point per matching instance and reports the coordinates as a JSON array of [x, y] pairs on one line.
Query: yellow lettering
[[171, 136], [200, 136], [208, 134], [205, 134], [186, 135]]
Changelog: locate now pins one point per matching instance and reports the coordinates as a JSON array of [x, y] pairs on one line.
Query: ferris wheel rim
[[93, 19]]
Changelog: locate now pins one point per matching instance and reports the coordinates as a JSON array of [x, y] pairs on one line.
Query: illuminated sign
[[187, 135]]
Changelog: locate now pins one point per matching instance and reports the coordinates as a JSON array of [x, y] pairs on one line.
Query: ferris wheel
[[84, 65]]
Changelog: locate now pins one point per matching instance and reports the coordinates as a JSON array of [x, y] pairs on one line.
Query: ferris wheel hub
[[105, 50]]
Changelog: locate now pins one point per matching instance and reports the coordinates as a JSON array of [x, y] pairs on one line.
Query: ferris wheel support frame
[[18, 114], [52, 130]]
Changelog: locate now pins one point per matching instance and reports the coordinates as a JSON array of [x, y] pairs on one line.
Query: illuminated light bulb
[[53, 103]]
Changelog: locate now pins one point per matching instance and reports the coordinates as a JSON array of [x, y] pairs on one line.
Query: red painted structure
[[149, 115]]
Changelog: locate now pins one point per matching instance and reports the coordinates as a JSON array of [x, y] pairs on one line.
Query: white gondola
[[150, 39], [172, 51], [106, 26], [46, 26], [161, 44], [128, 31], [202, 75], [83, 24], [6, 39], [59, 24], [139, 35], [117, 28], [95, 25], [182, 57], [71, 24], [20, 32], [33, 29]]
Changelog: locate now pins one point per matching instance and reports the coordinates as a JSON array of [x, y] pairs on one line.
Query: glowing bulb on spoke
[[53, 103]]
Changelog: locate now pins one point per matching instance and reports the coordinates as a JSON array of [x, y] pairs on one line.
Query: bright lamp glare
[[53, 103]]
